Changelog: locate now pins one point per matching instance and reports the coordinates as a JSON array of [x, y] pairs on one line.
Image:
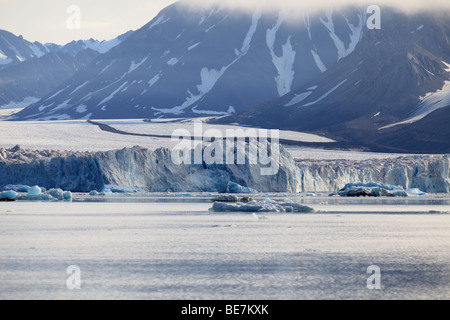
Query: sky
[[47, 20], [54, 20]]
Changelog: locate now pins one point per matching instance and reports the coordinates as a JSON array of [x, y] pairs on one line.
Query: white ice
[[325, 95], [209, 77], [134, 65], [284, 63]]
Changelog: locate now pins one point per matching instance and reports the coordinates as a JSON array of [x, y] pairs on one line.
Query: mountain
[[383, 96], [214, 61], [384, 90], [34, 69]]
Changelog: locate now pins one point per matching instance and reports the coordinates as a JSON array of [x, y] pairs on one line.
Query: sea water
[[167, 248]]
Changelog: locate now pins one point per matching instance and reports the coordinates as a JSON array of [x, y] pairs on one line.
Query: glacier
[[154, 171]]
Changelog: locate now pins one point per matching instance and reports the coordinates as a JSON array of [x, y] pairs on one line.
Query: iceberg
[[8, 195], [17, 188], [267, 205], [371, 190], [231, 198], [415, 192], [36, 197], [233, 187], [56, 193], [122, 189], [34, 191], [428, 173]]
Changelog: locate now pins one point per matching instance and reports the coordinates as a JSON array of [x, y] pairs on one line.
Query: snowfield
[[79, 135]]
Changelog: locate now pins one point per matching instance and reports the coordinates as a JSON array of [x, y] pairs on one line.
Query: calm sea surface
[[166, 249]]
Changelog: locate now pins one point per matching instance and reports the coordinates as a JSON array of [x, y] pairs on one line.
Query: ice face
[[34, 191], [154, 171]]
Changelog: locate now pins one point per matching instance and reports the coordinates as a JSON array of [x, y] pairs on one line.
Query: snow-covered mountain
[[217, 61], [28, 70], [385, 89], [383, 96], [15, 49]]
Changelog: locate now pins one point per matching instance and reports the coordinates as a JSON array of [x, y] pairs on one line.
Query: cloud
[[311, 5]]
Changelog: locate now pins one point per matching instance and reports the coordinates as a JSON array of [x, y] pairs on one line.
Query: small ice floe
[[255, 206], [233, 187], [8, 195], [376, 190], [231, 198], [109, 190], [17, 187], [122, 189], [104, 192], [36, 193], [415, 192]]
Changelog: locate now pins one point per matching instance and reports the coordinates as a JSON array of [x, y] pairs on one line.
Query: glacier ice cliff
[[429, 173], [154, 171]]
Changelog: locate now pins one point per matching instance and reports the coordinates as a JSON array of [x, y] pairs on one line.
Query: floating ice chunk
[[237, 188], [121, 189], [34, 191], [8, 195], [56, 193], [67, 195], [17, 188], [229, 198], [415, 192], [267, 205], [372, 190], [36, 197]]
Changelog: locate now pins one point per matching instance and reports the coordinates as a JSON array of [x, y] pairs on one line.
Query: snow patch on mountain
[[113, 94], [4, 59], [154, 80], [299, 98], [20, 104], [193, 46], [209, 77], [79, 87], [172, 61], [325, 95], [81, 109], [158, 21], [356, 33], [431, 102], [134, 65], [284, 63], [318, 61]]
